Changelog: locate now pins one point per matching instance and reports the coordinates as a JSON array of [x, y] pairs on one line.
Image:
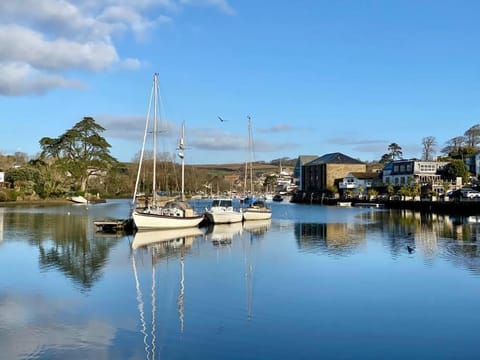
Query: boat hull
[[153, 221], [257, 214], [224, 217]]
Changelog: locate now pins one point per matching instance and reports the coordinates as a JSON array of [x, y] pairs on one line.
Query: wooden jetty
[[113, 225]]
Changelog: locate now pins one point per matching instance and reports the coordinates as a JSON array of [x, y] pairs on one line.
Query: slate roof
[[334, 158], [304, 159]]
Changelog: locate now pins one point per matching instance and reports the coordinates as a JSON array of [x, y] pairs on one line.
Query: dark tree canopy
[[81, 150], [456, 168]]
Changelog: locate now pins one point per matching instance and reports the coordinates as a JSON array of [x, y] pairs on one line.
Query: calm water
[[314, 283]]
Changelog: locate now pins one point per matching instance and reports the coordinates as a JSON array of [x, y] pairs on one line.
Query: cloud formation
[[43, 41]]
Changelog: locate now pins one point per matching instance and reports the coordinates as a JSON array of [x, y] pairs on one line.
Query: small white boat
[[79, 199], [222, 211], [258, 210]]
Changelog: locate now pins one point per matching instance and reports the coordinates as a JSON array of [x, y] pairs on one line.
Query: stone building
[[322, 172]]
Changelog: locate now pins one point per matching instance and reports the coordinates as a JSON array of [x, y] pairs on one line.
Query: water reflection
[[2, 212], [64, 237], [257, 228], [223, 234], [432, 235], [160, 245], [35, 327], [331, 238]]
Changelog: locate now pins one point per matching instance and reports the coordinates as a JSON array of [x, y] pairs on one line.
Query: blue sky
[[315, 76]]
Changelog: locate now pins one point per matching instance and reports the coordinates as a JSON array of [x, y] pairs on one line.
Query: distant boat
[[174, 214], [277, 197], [79, 199], [221, 211]]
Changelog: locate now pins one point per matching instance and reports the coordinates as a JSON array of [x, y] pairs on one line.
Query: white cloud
[[21, 79], [21, 44], [50, 37]]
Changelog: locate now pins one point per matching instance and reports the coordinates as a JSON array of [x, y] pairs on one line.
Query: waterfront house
[[412, 171], [358, 183], [321, 173]]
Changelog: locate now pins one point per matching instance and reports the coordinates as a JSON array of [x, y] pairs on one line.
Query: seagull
[[222, 120]]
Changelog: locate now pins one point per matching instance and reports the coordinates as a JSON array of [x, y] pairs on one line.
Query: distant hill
[[237, 167]]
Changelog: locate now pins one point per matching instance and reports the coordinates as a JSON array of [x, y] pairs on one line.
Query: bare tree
[[454, 146], [429, 144]]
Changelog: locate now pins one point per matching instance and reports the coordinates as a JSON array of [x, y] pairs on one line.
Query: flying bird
[[222, 120]]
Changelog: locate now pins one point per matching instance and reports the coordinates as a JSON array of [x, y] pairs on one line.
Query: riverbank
[[453, 207], [35, 202]]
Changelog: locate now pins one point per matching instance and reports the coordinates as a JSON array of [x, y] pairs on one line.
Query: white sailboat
[[258, 209], [175, 213]]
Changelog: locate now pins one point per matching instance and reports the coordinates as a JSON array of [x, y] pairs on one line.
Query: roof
[[334, 158], [303, 159]]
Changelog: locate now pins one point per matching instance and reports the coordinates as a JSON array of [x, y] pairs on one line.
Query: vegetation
[[79, 162]]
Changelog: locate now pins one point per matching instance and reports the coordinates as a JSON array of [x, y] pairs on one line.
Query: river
[[316, 282]]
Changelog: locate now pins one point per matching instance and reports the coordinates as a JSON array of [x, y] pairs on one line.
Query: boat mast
[[181, 155], [155, 124], [142, 152], [250, 150]]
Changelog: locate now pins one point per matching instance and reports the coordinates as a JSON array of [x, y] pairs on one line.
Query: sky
[[314, 76]]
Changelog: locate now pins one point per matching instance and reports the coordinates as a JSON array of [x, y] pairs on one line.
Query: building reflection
[[454, 238], [332, 238]]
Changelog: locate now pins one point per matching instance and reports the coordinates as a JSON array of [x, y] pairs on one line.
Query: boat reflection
[[165, 239], [257, 227], [223, 234], [160, 244]]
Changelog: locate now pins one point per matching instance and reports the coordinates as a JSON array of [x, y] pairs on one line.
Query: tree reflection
[[63, 243]]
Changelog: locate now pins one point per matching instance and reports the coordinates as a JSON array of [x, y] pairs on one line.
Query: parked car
[[470, 193]]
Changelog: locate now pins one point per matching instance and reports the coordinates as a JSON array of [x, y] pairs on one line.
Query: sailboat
[[173, 214], [257, 209]]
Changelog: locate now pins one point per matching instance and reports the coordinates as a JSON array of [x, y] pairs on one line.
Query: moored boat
[[221, 211], [258, 210], [175, 213]]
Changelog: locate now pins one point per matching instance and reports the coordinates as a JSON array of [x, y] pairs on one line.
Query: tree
[[429, 144], [456, 168], [395, 151], [385, 158], [459, 147], [472, 136], [80, 151]]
